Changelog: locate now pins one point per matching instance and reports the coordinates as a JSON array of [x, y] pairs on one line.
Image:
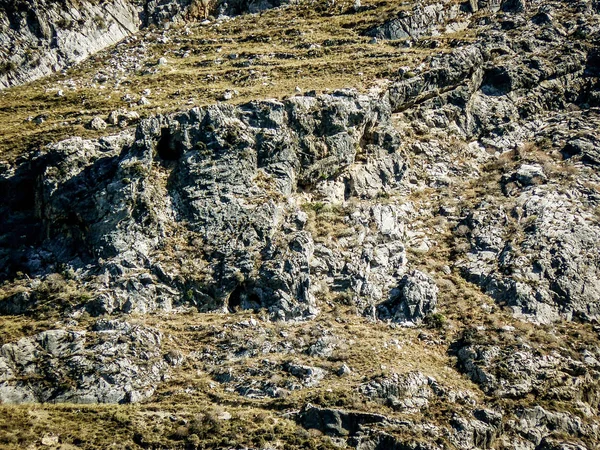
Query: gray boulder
[[415, 298], [409, 393], [418, 22], [336, 422]]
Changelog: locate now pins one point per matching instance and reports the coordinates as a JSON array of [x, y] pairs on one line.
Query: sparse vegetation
[[325, 51], [229, 382]]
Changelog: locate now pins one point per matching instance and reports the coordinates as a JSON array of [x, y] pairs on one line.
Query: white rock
[[227, 95], [49, 440], [97, 123], [224, 415], [344, 370]]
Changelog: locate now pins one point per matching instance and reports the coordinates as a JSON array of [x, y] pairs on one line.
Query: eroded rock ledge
[[40, 37]]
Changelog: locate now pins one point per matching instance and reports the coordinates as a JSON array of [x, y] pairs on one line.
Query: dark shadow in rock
[[236, 298], [25, 223], [592, 66], [336, 422], [586, 147], [19, 227], [496, 82], [168, 148], [513, 6]]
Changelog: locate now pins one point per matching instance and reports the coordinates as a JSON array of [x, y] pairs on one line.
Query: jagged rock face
[[336, 422], [535, 423], [512, 369], [498, 92], [421, 21], [375, 431], [225, 180], [407, 392], [41, 37], [161, 12], [286, 206], [413, 300], [548, 272], [437, 19], [115, 362]]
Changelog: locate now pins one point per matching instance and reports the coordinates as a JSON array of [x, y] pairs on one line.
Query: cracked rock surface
[[409, 263]]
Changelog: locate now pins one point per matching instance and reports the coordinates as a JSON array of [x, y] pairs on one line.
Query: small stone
[[529, 174], [50, 440], [224, 415], [98, 124], [146, 92], [301, 219], [344, 370], [162, 61], [38, 120], [143, 101], [298, 89], [227, 95], [131, 116], [60, 93], [113, 118]]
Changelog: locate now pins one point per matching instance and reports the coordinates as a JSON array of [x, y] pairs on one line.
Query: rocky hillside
[[367, 226], [39, 37]]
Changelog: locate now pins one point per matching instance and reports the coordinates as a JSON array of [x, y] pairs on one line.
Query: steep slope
[[404, 262], [39, 37], [42, 37]]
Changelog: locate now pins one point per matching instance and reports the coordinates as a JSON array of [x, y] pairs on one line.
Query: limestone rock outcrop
[[114, 362]]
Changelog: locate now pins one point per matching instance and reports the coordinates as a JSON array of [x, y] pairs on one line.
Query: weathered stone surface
[[336, 422], [415, 297], [513, 370], [67, 34], [114, 362], [408, 393], [551, 272], [217, 177], [98, 124], [43, 37], [431, 20], [480, 160]]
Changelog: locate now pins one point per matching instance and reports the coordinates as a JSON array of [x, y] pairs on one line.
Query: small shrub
[[181, 433], [437, 320], [7, 67], [100, 22], [194, 439], [314, 206]]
